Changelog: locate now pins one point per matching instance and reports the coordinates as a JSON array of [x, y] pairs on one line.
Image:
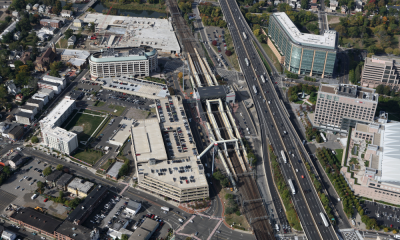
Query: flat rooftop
[[351, 91], [48, 77], [49, 83], [80, 185], [148, 141], [122, 134], [80, 54], [37, 219], [57, 112], [183, 173], [137, 31], [134, 86], [74, 231], [327, 40], [123, 54], [45, 91], [59, 133], [113, 172]]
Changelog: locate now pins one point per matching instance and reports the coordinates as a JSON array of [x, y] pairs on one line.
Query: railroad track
[[249, 191], [186, 37]]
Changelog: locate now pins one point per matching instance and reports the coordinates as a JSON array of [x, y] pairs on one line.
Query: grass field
[[89, 123], [339, 154], [108, 164], [62, 43], [271, 56], [119, 109], [90, 157]]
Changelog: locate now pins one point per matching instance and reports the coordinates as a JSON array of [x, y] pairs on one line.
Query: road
[[270, 114]]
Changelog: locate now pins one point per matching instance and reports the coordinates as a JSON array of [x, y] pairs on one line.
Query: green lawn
[[339, 154], [62, 43], [119, 109], [366, 163], [108, 164], [229, 43], [88, 122], [299, 102], [99, 104], [90, 157], [271, 56]]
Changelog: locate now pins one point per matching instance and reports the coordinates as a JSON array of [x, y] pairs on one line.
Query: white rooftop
[[80, 54], [390, 159], [80, 185], [59, 133], [148, 140], [154, 32], [328, 40], [57, 112]]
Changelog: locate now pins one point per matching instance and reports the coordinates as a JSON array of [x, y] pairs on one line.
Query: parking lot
[[22, 185], [217, 34], [388, 216], [125, 100]]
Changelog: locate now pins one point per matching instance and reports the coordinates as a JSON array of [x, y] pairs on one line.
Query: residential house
[[15, 159], [114, 170], [43, 62], [48, 9], [334, 5], [48, 92], [314, 7], [11, 88], [26, 56], [35, 7], [16, 133], [359, 6], [35, 103], [10, 28], [51, 22], [19, 97], [71, 40], [28, 109], [63, 181], [66, 13], [42, 8], [41, 97], [77, 23], [343, 9], [15, 14], [42, 36], [24, 118], [17, 35], [80, 187], [28, 7], [48, 30]]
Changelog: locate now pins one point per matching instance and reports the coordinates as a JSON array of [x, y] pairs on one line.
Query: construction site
[[122, 31]]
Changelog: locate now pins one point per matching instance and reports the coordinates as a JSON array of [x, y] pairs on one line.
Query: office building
[[131, 62], [51, 23], [381, 70], [340, 106], [79, 187], [303, 53], [179, 176], [133, 207], [58, 115], [378, 177], [16, 132], [36, 221], [8, 235], [60, 139]]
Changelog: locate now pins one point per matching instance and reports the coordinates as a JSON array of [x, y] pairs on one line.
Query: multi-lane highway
[[276, 127]]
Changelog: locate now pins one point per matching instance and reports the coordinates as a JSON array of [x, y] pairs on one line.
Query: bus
[[292, 186], [283, 156], [262, 78], [165, 209], [324, 219], [244, 35], [247, 61], [255, 89]]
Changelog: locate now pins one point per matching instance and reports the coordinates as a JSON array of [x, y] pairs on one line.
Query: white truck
[[255, 89], [244, 35], [180, 220], [165, 209], [34, 196]]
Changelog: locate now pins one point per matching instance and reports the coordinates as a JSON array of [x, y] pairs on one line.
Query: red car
[[46, 200], [302, 176]]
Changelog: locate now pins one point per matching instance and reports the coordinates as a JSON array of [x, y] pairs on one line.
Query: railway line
[[186, 37], [254, 209]]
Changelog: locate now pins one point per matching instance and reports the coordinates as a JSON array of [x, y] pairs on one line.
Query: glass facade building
[[306, 54]]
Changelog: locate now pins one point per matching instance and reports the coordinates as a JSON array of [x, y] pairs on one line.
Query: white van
[[34, 196], [277, 227], [180, 220]]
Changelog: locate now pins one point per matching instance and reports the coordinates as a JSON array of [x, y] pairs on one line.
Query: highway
[[274, 123]]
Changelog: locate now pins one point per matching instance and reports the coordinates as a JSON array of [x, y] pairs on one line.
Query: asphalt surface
[[388, 216], [308, 210]]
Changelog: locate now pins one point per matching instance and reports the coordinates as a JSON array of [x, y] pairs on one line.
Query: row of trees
[[223, 180], [232, 206], [124, 169], [211, 15], [284, 192], [386, 90], [250, 154], [294, 90]]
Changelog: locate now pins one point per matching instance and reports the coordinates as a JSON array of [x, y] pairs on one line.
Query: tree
[[3, 92], [386, 90], [59, 167], [124, 237], [379, 89], [352, 76], [228, 53], [92, 27], [256, 32], [389, 50], [180, 75], [40, 186], [68, 33], [394, 231], [396, 51], [393, 93], [34, 139], [18, 5], [25, 92], [357, 73], [61, 194], [123, 170], [47, 171], [341, 30], [214, 43]]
